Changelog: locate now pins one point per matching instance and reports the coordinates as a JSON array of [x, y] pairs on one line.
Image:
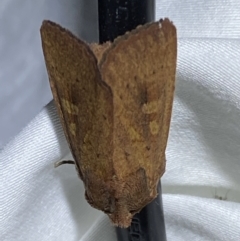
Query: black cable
[[118, 16], [115, 18]]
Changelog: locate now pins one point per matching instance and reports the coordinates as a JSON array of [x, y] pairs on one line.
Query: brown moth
[[115, 101]]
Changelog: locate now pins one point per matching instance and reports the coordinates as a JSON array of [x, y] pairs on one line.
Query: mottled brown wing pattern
[[115, 107], [83, 100], [140, 69]]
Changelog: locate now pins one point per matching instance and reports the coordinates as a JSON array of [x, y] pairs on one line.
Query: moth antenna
[[59, 163]]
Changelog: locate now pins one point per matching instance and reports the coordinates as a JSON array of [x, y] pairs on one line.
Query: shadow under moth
[[115, 102]]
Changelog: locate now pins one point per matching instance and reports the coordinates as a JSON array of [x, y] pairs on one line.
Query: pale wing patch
[[73, 128], [151, 107], [154, 127], [134, 135], [69, 107]]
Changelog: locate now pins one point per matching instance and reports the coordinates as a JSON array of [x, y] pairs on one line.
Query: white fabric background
[[38, 202]]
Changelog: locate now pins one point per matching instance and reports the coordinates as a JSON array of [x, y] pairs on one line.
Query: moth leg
[[59, 163]]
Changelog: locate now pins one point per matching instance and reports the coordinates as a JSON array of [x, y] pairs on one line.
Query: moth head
[[131, 198], [120, 211], [122, 215], [120, 202], [99, 194], [104, 202]]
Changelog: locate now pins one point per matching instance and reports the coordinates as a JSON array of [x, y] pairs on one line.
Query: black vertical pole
[[115, 18], [118, 16]]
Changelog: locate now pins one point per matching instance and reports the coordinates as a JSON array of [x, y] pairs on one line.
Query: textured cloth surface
[[201, 192]]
